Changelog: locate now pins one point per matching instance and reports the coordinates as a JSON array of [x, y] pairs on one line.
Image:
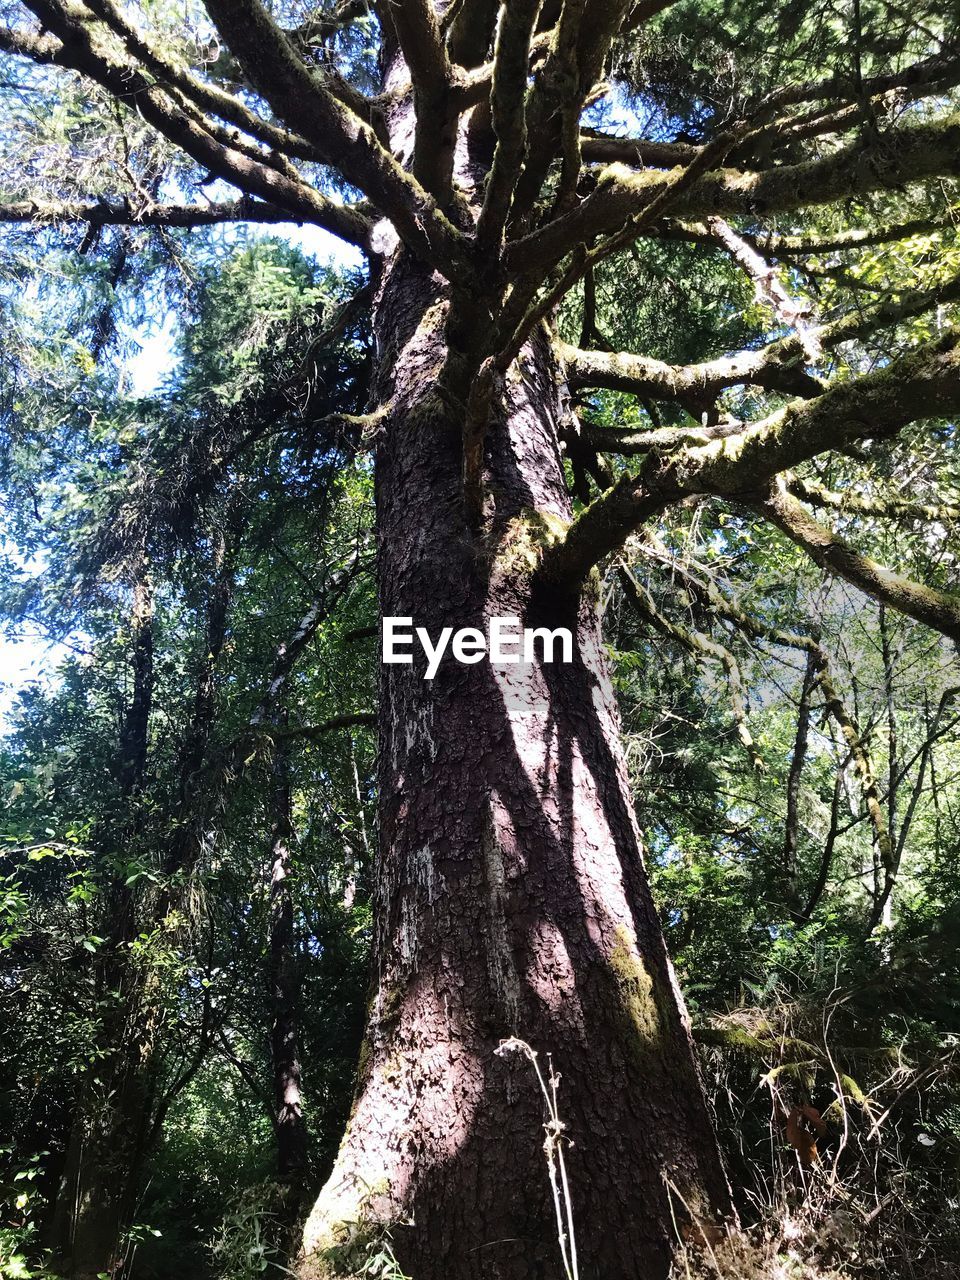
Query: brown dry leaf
[[804, 1126]]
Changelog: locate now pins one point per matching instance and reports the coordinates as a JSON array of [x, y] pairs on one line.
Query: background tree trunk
[[116, 1117], [511, 894], [285, 991], [105, 1148]]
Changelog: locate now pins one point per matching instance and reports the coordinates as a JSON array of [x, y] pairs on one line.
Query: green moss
[[592, 590], [363, 1062], [637, 1002], [527, 536], [390, 1003], [636, 988]]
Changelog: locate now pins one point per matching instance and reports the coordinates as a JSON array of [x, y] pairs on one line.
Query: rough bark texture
[[512, 899]]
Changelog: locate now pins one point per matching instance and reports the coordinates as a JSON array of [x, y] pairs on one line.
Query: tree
[[150, 752], [511, 898]]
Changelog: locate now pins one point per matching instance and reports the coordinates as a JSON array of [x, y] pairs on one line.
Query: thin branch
[[209, 98], [885, 507], [835, 706], [768, 287], [312, 732], [702, 646]]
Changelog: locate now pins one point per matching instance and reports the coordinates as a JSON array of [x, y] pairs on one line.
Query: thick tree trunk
[[511, 895]]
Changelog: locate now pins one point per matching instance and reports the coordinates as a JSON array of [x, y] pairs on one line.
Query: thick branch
[[122, 213], [925, 382], [935, 70], [81, 52], [775, 369], [415, 23], [508, 106], [905, 154], [572, 64], [298, 93], [777, 366], [936, 609], [38, 48], [603, 148]]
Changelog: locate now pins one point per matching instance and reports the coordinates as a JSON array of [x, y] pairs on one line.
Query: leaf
[[804, 1126]]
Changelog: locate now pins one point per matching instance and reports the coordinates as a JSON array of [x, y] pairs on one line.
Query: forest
[[635, 321]]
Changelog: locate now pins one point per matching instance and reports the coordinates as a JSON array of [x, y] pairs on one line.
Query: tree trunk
[[511, 898], [285, 993], [98, 1189], [118, 1112], [108, 1130]]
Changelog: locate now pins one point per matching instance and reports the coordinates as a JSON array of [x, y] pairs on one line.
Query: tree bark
[[511, 897], [791, 840], [285, 992], [108, 1129]]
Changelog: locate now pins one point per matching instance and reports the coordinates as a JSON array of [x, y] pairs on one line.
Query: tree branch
[[925, 382], [886, 507], [207, 97], [425, 53], [122, 213], [573, 61], [935, 609], [775, 245], [701, 646], [81, 52], [508, 106], [312, 732], [777, 366], [604, 148], [904, 154], [298, 93], [819, 666]]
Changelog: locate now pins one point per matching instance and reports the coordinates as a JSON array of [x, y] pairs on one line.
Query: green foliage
[[134, 886], [158, 888]]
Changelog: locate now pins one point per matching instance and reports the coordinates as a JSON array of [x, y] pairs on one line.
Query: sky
[[28, 655]]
